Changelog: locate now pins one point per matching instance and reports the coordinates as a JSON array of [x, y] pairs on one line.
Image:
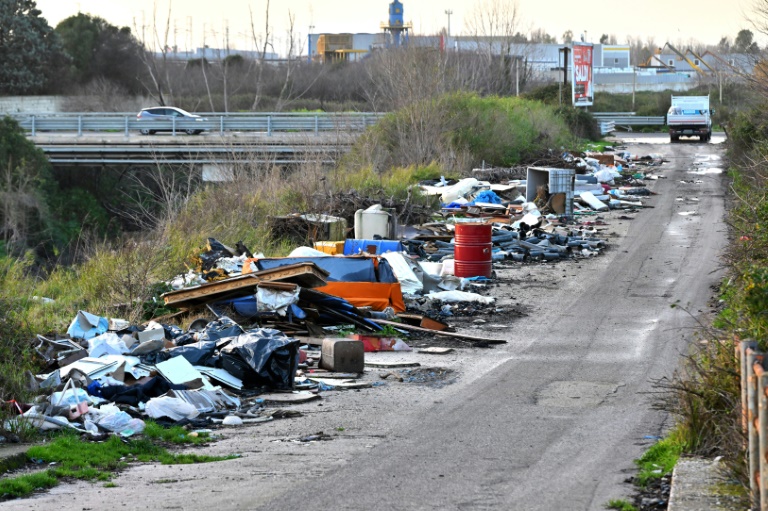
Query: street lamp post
[[449, 12]]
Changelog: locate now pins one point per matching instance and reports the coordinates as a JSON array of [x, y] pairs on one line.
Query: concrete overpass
[[72, 150], [115, 139]]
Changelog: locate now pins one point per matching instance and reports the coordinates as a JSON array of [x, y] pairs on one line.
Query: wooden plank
[[304, 274], [469, 338], [424, 322], [392, 365]]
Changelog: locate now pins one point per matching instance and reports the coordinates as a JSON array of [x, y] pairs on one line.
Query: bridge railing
[[267, 123]]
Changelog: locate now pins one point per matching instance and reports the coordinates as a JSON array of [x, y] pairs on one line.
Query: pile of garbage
[[107, 376], [272, 330]]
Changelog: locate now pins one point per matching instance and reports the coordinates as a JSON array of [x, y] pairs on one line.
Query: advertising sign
[[582, 85]]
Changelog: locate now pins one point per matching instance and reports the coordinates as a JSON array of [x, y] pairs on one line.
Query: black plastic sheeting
[[341, 269], [263, 356], [217, 331], [197, 354]]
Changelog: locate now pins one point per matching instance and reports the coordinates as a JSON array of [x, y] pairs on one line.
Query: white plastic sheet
[[605, 175], [276, 300], [410, 283], [171, 407], [460, 296], [307, 252]]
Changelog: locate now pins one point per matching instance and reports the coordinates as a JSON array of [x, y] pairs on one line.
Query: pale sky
[[676, 21]]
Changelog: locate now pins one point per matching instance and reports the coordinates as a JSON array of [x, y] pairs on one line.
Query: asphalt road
[[550, 421]]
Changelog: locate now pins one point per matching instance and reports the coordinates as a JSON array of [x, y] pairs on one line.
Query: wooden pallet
[[307, 275]]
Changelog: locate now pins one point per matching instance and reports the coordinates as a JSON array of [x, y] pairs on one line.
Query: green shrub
[[459, 131]]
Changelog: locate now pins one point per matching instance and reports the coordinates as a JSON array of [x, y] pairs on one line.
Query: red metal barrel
[[473, 250]]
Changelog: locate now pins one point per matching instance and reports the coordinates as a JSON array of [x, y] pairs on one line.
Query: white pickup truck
[[689, 116]]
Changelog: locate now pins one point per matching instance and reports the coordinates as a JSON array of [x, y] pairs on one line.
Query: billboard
[[581, 79]]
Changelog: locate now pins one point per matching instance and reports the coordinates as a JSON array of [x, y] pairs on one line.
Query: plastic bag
[[115, 422], [171, 407], [106, 344], [271, 356]]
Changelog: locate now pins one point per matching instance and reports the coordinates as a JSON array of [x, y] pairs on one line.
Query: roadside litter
[[277, 331]]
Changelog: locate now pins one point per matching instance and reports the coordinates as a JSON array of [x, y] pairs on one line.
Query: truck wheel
[[674, 138]]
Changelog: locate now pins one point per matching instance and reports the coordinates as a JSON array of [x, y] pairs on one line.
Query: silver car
[[167, 113]]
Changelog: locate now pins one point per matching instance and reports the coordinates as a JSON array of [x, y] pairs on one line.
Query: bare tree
[[262, 56], [495, 27], [160, 87], [20, 204]]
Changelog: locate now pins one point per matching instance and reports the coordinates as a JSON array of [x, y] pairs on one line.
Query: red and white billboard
[[581, 79]]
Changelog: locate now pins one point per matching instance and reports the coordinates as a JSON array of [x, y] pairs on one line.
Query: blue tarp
[[354, 247], [486, 197], [341, 269]]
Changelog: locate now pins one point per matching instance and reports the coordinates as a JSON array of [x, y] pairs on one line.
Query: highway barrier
[[267, 123]]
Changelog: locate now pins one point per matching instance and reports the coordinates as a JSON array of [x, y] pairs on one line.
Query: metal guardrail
[[267, 123], [634, 120], [754, 407], [612, 114], [606, 126]]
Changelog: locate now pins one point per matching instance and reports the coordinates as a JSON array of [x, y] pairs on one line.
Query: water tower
[[396, 26]]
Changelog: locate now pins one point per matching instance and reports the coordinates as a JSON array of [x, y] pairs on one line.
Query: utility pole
[[449, 12], [309, 44], [634, 86]]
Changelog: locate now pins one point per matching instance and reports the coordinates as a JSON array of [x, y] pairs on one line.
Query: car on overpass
[[167, 113]]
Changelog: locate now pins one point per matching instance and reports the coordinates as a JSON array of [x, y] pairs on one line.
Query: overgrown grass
[[620, 505], [658, 461], [73, 458], [174, 434]]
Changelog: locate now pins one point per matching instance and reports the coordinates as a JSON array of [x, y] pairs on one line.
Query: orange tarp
[[377, 295]]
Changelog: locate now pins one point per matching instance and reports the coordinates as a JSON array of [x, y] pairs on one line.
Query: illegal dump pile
[[265, 333]]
